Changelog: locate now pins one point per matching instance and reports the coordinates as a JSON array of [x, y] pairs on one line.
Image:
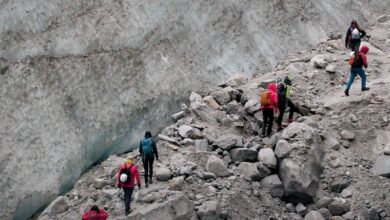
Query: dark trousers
[[148, 167], [280, 117], [128, 194], [268, 120], [293, 109], [355, 45]]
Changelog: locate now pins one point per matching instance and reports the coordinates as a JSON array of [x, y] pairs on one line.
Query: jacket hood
[[364, 49], [272, 87]]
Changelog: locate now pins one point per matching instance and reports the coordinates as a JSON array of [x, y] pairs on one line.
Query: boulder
[[323, 202], [331, 68], [373, 214], [267, 157], [217, 166], [325, 213], [232, 107], [333, 143], [249, 171], [382, 166], [301, 209], [347, 135], [176, 183], [163, 174], [314, 215], [236, 80], [196, 134], [206, 114], [263, 170], [252, 106], [338, 208], [185, 131], [200, 145], [339, 184], [59, 205], [320, 61], [209, 176], [229, 141], [243, 155], [222, 96], [386, 150], [208, 211], [273, 185], [300, 171], [175, 207], [383, 18], [178, 116], [282, 149], [210, 134], [296, 68], [195, 100], [210, 101]]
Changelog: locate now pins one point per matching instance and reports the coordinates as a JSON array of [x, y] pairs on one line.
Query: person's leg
[[271, 121], [264, 122], [362, 75], [291, 111], [127, 199], [350, 81], [150, 162], [146, 170], [280, 118]]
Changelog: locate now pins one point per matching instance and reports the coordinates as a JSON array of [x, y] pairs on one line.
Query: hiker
[[354, 36], [282, 102], [95, 214], [127, 174], [357, 62], [269, 105], [148, 151], [290, 104]]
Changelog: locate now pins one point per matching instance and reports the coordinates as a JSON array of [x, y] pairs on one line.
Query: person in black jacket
[[354, 36], [148, 151], [282, 102]]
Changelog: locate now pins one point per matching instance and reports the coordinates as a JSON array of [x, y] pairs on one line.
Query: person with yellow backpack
[[269, 106]]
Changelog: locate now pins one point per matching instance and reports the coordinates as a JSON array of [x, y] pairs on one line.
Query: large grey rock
[[252, 106], [339, 184], [249, 171], [282, 149], [273, 185], [59, 205], [296, 68], [185, 131], [314, 215], [301, 209], [300, 171], [195, 100], [210, 101], [320, 61], [229, 141], [209, 210], [338, 208], [163, 174], [176, 207], [263, 170], [200, 145], [323, 202], [382, 166], [325, 213], [347, 135], [222, 96], [236, 80], [267, 157], [243, 155], [331, 68], [217, 166]]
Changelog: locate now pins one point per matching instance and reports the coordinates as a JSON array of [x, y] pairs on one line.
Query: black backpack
[[126, 171]]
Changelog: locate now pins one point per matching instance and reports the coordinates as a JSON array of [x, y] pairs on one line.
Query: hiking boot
[[128, 212], [146, 185], [290, 120], [346, 92], [280, 128], [151, 181], [365, 89]]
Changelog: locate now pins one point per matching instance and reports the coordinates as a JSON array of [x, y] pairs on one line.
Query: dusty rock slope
[[329, 164]]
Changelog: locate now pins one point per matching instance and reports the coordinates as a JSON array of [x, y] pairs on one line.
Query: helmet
[[123, 177]]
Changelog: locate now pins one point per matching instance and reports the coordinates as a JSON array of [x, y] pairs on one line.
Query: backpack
[[147, 147], [355, 34], [127, 172], [353, 57], [265, 99]]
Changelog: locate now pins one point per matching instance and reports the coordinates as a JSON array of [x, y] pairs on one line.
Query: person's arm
[[140, 147], [347, 37], [155, 150], [136, 173], [362, 33], [364, 58], [118, 176]]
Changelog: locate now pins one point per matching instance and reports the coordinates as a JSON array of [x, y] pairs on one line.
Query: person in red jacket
[[95, 214], [127, 184], [268, 110], [360, 60]]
